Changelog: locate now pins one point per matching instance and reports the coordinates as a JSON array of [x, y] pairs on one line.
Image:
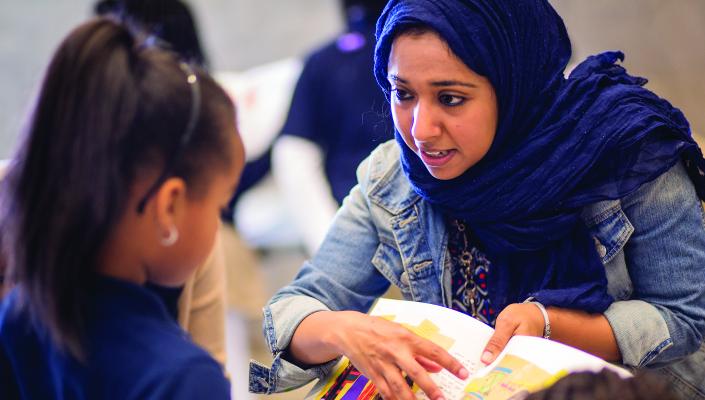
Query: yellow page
[[527, 363], [462, 336]]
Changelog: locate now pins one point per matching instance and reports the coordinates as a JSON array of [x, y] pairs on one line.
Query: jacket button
[[602, 250], [404, 278]]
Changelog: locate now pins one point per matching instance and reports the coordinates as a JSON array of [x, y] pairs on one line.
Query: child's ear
[[170, 204]]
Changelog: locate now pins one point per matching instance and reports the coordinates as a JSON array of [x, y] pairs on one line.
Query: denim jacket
[[652, 244]]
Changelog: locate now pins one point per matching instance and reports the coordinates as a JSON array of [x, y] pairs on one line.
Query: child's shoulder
[[151, 357], [165, 369]]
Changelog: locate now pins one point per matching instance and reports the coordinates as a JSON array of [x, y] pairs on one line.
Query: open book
[[527, 364]]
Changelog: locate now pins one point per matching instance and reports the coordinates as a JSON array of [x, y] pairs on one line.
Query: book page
[[555, 357], [462, 336], [529, 364]]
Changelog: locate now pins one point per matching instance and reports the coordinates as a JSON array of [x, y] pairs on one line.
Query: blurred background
[[664, 41], [256, 48]]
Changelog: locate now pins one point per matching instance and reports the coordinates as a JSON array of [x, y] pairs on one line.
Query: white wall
[[664, 41], [237, 34]]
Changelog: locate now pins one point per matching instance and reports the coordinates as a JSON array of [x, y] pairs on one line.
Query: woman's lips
[[436, 158]]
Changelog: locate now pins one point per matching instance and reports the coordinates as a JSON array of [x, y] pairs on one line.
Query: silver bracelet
[[546, 322]]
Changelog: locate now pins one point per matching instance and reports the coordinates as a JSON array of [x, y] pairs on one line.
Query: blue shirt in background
[[135, 350], [338, 105]]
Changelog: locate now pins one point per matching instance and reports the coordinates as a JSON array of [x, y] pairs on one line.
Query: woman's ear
[[170, 205]]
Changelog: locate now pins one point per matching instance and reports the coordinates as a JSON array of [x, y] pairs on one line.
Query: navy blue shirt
[[338, 105], [134, 349]]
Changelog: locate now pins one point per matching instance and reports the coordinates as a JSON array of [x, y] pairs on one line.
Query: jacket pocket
[[387, 260], [610, 229]]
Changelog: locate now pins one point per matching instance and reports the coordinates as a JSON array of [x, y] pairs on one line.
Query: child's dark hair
[[605, 385], [109, 110], [170, 20]]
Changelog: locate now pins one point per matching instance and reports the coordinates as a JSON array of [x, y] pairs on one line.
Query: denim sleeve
[[340, 276], [665, 318]]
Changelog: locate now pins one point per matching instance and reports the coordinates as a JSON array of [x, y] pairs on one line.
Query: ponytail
[[170, 20], [108, 108]]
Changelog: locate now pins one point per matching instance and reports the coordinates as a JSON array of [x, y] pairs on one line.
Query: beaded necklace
[[470, 271]]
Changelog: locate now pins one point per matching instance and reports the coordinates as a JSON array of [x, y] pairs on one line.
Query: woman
[[508, 183]]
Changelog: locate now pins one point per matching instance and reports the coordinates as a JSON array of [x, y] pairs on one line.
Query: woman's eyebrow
[[453, 83], [396, 78]]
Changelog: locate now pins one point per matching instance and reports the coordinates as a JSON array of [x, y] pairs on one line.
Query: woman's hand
[[382, 351], [589, 332], [516, 319]]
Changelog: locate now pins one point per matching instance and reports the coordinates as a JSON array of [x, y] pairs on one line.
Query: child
[[128, 159], [199, 304]]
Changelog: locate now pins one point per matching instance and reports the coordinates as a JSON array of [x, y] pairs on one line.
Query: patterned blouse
[[470, 268]]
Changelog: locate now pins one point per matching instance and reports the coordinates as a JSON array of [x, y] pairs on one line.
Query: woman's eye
[[450, 100], [401, 95]]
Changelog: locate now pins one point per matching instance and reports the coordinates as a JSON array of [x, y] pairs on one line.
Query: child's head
[[128, 157], [605, 385]]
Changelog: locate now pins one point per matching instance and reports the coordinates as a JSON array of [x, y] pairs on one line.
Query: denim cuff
[[282, 318], [280, 322], [283, 376], [640, 329]]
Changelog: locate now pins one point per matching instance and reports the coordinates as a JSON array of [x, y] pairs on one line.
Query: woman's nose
[[425, 124]]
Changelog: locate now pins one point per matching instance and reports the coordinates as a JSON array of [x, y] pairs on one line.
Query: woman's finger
[[428, 365], [381, 385], [399, 387], [418, 374], [504, 330], [440, 356]]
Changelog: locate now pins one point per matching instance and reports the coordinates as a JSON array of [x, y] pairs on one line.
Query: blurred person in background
[[337, 116]]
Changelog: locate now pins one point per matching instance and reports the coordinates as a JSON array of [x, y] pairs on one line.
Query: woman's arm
[[319, 316], [378, 348], [589, 332], [340, 276], [664, 319]]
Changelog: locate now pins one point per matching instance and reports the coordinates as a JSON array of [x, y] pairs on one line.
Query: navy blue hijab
[[560, 144]]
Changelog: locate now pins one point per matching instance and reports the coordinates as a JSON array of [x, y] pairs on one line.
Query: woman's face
[[446, 113]]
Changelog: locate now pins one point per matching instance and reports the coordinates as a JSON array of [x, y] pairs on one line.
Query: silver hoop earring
[[172, 238]]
